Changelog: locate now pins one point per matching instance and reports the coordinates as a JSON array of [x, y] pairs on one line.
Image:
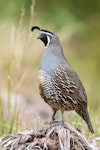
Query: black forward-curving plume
[[35, 27]]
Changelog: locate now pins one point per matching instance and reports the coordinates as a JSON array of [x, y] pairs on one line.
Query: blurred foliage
[[78, 25], [62, 13], [11, 10], [56, 13]]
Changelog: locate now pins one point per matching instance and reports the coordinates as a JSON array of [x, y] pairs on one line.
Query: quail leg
[[61, 122], [62, 119], [53, 116]]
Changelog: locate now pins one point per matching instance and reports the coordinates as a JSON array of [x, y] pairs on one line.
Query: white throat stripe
[[48, 38]]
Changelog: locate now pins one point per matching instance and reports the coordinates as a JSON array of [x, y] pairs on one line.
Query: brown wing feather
[[69, 89]]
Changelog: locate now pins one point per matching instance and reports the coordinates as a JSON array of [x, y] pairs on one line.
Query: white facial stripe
[[47, 33], [48, 38]]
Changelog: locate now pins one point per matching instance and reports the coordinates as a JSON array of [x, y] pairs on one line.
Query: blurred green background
[[77, 24]]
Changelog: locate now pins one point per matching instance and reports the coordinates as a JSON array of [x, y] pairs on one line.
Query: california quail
[[59, 84]]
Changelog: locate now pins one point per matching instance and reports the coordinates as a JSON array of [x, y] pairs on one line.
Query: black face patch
[[44, 38]]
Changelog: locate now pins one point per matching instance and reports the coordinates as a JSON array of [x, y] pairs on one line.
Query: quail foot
[[59, 84]]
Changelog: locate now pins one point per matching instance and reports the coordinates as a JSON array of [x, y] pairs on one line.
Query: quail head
[[59, 84]]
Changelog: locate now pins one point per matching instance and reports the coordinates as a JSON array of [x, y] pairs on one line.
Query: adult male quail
[[59, 84]]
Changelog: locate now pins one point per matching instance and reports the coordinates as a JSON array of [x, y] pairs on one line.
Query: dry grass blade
[[49, 137], [64, 138]]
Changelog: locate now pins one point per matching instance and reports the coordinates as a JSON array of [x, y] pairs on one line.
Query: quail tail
[[87, 119], [85, 115]]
